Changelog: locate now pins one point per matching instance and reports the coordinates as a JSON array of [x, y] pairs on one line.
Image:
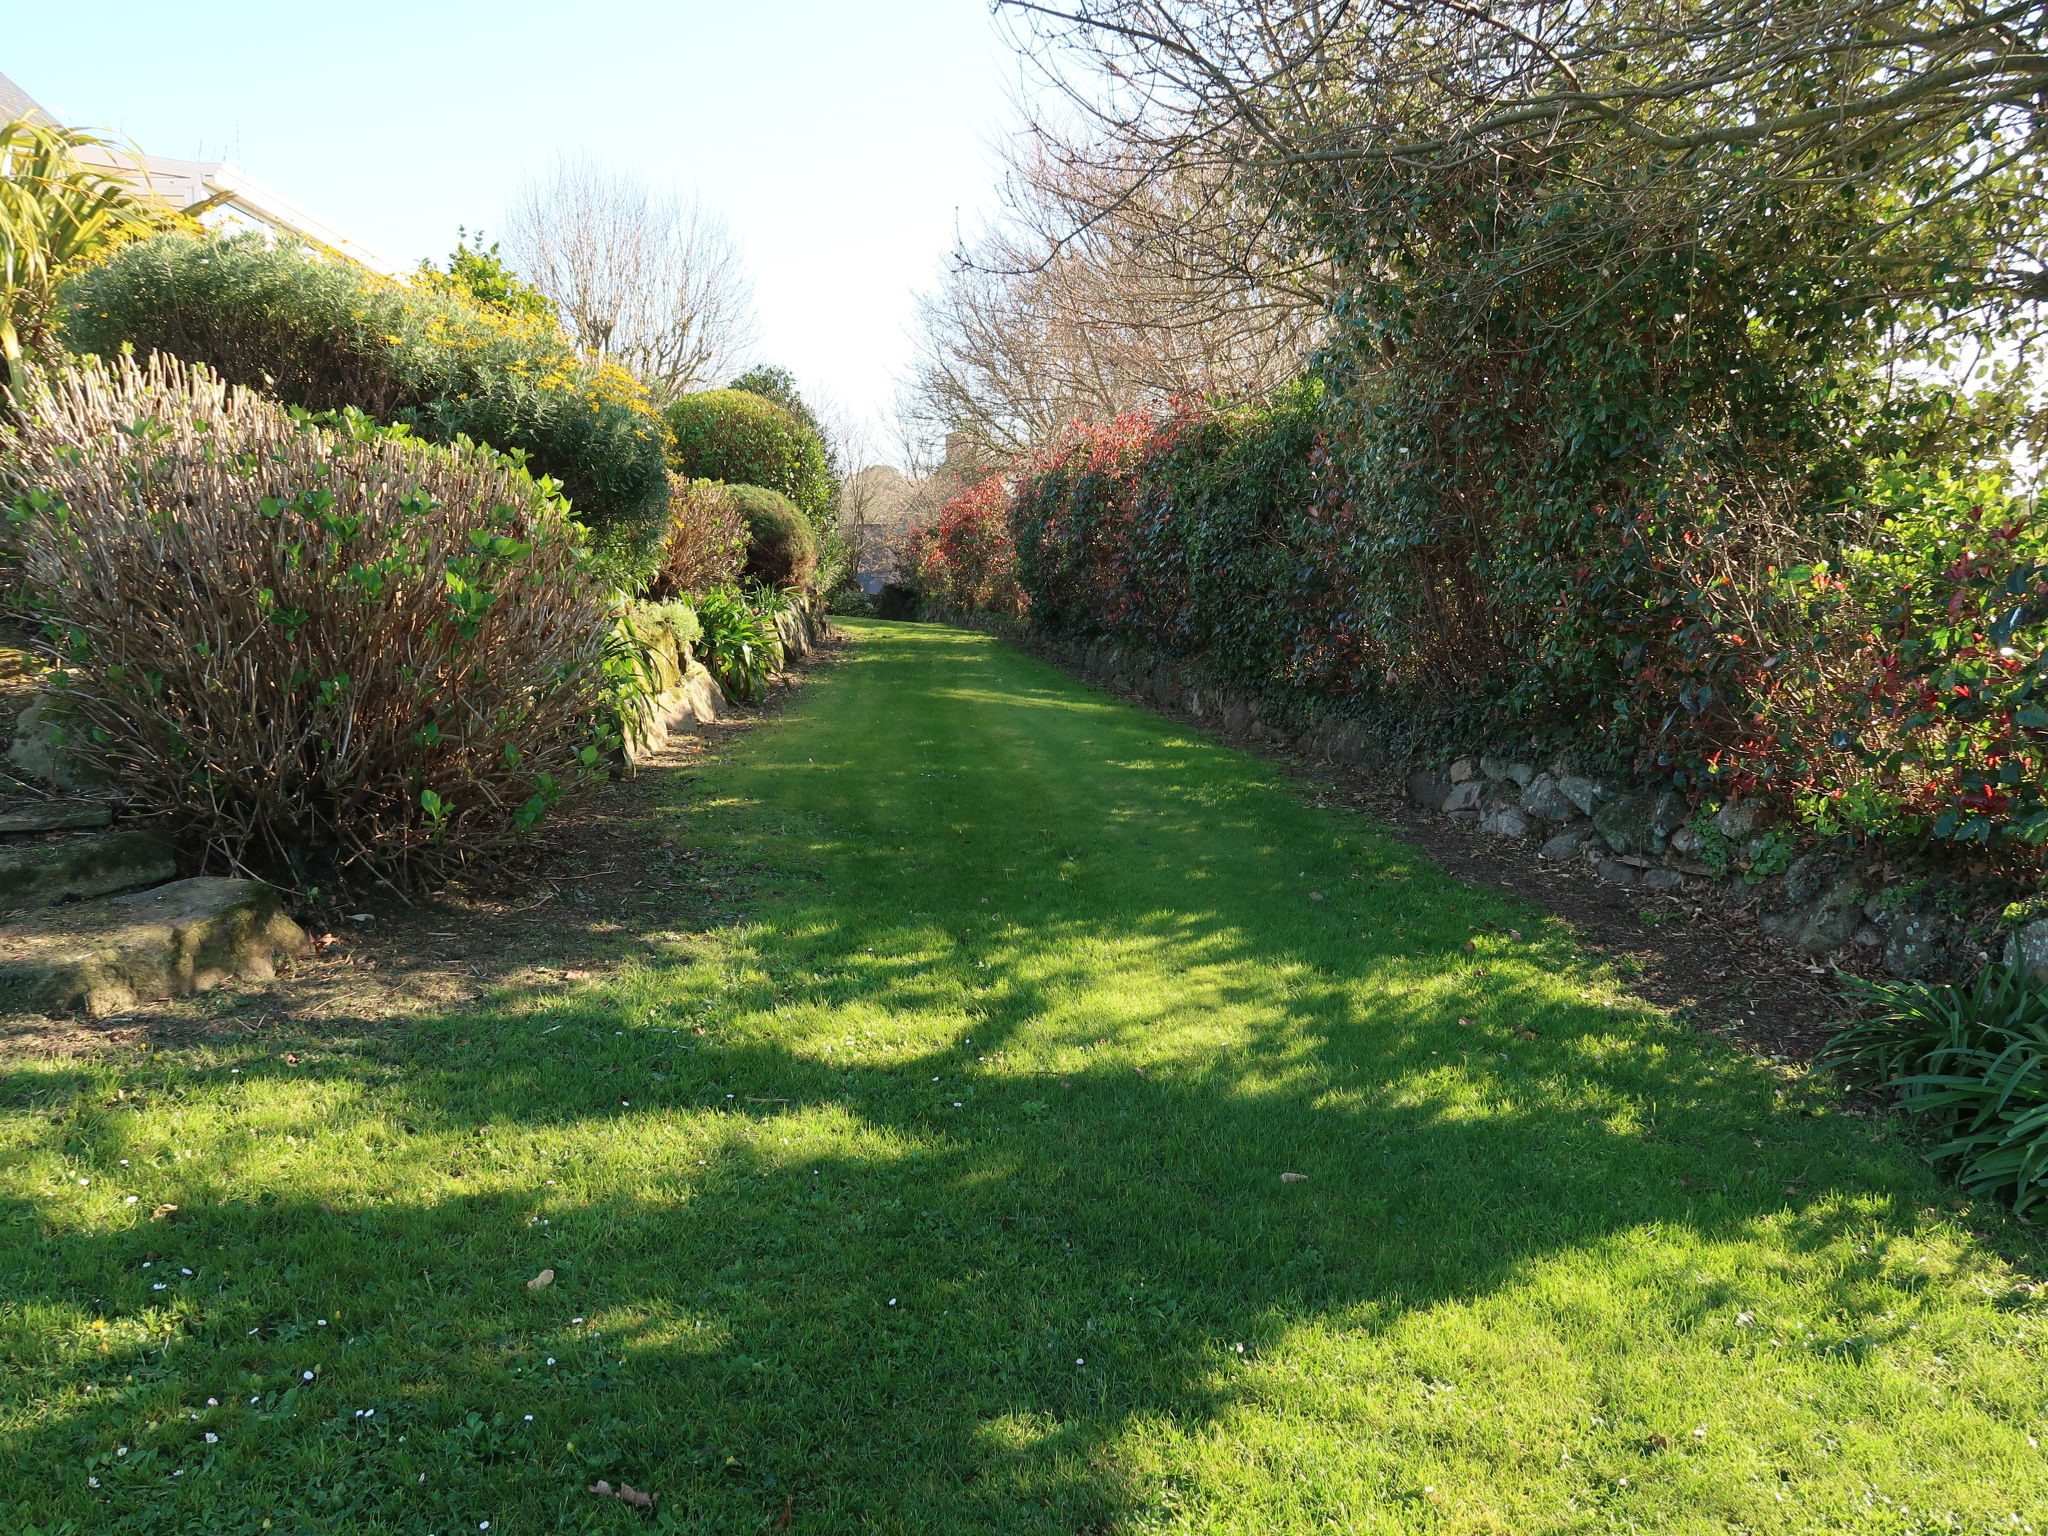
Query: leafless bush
[[707, 540], [322, 652]]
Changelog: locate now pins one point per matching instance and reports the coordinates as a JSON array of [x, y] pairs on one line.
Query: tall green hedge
[[326, 334], [745, 439]]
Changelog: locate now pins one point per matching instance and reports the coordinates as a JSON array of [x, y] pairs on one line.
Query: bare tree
[[1103, 289], [653, 283], [1680, 113]]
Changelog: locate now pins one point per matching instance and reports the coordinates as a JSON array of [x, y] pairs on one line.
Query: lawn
[[1077, 1133]]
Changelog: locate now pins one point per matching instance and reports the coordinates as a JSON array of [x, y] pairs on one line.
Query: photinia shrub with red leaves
[[965, 560]]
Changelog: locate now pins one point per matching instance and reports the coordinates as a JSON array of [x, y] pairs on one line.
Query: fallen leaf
[[1293, 1178], [541, 1281], [625, 1493], [1466, 1022], [163, 1213], [788, 1508], [291, 1058], [1514, 933], [1315, 895], [576, 975]]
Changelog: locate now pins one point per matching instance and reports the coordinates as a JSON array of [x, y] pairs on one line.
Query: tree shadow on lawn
[[963, 1219], [912, 1316]]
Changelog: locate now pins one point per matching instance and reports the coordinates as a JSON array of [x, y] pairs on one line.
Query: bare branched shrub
[[707, 540], [322, 652]]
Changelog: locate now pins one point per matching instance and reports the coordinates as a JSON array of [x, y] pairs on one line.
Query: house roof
[[17, 103], [221, 194]]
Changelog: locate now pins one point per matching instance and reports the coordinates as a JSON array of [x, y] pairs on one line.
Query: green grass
[[965, 1212]]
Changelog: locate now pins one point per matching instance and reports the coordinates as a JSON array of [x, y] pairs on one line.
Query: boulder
[[1585, 795], [1641, 823], [2027, 948], [1739, 819], [188, 936], [1464, 769], [45, 736], [1465, 795], [1662, 880], [1506, 821], [1428, 790], [1498, 768], [1834, 918], [1917, 939], [1566, 844], [41, 874], [1614, 872], [57, 816], [1546, 800], [1628, 822]]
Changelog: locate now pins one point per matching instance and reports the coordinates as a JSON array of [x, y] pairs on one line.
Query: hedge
[[744, 439], [327, 334]]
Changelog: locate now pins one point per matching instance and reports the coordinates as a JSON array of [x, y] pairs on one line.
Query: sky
[[845, 142]]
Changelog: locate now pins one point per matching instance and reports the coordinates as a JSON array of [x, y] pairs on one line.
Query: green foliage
[[480, 275], [782, 547], [316, 651], [744, 439], [739, 643], [1969, 1062], [326, 334], [58, 215]]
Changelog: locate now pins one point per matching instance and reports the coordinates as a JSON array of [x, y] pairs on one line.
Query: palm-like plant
[[57, 214], [1972, 1062]]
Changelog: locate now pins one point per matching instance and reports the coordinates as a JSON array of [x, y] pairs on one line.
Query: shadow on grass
[[934, 1288]]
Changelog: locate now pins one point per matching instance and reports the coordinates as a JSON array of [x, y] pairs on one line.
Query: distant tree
[[651, 283]]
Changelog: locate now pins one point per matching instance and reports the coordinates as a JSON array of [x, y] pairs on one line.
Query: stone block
[[1428, 790], [185, 937], [1465, 794], [1493, 767], [1464, 769], [1834, 918], [1505, 822], [1566, 844], [1614, 872], [1546, 800], [1662, 880], [41, 874]]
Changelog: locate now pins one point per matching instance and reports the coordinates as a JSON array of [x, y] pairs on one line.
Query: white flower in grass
[[212, 1438]]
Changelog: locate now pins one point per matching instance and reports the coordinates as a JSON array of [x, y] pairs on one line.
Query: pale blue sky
[[842, 142]]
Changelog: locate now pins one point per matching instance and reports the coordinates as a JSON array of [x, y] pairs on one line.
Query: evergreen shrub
[[328, 335], [745, 439], [782, 547]]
